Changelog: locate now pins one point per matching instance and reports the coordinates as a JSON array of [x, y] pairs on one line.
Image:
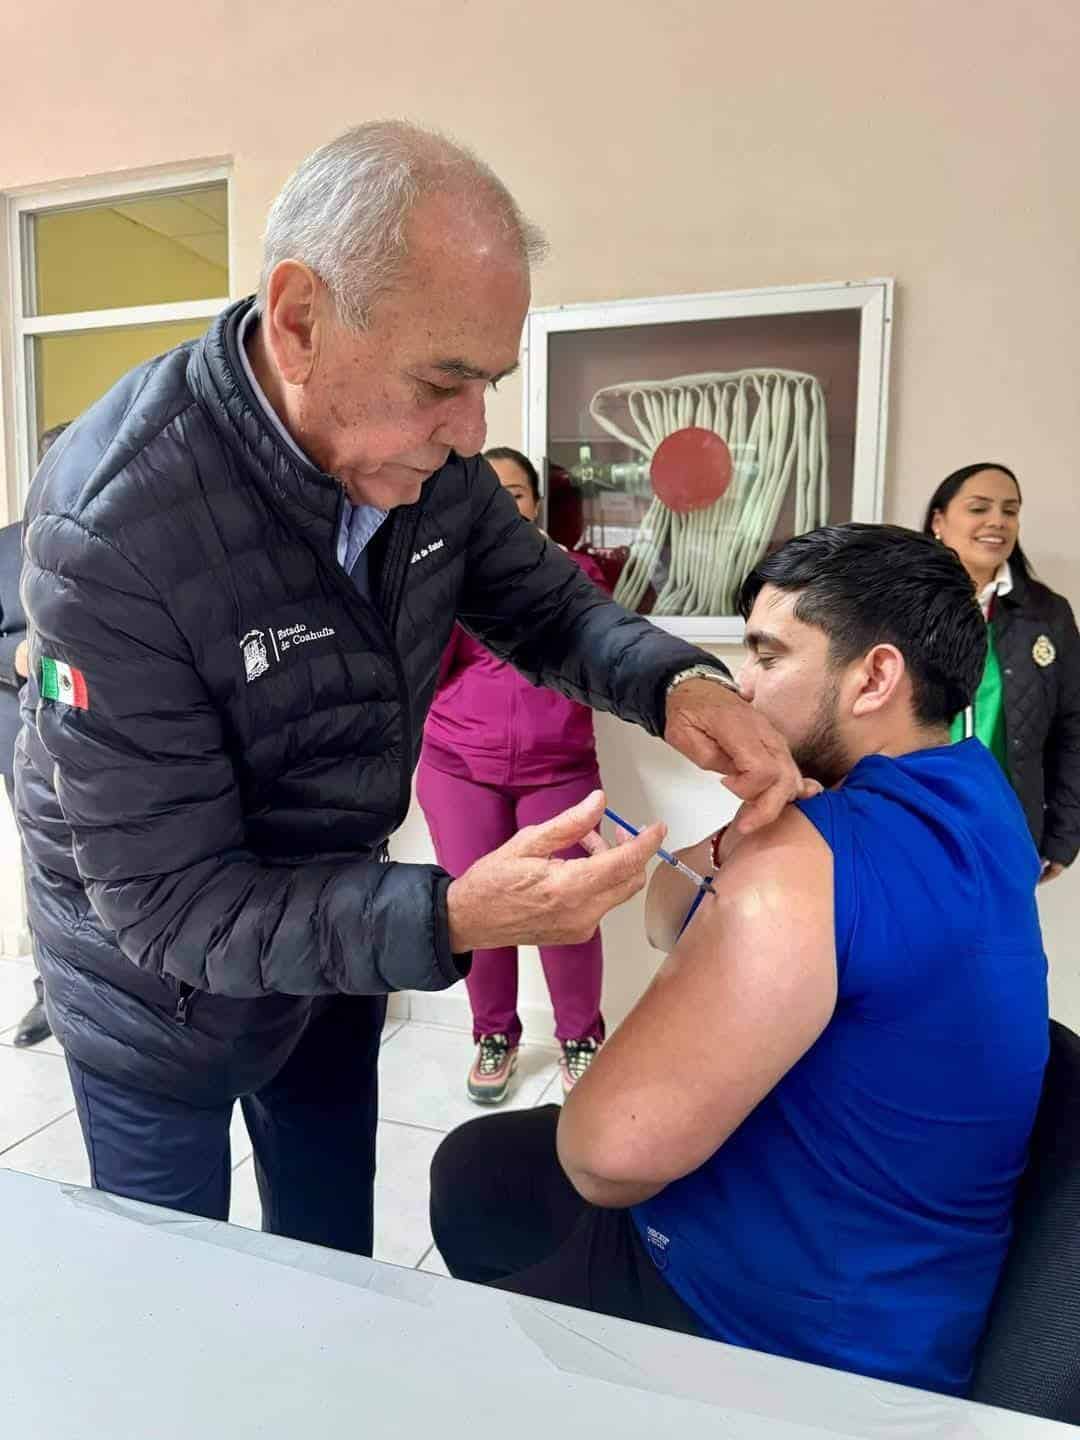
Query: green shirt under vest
[[985, 717]]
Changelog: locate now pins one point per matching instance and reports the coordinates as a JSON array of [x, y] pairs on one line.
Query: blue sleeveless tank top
[[859, 1217]]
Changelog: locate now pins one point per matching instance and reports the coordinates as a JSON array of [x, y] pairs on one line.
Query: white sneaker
[[495, 1062], [577, 1056]]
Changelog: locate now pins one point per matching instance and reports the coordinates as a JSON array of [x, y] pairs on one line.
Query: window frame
[[22, 206], [873, 299]]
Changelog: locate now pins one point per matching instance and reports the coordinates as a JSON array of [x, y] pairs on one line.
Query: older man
[[243, 565]]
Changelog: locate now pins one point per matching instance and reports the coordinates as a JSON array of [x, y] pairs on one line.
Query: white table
[[123, 1321]]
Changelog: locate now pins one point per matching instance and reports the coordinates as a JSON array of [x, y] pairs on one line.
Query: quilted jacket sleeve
[[530, 603], [8, 645], [12, 620], [146, 785], [1061, 837]]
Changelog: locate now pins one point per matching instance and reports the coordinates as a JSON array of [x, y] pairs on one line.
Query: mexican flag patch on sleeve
[[64, 683]]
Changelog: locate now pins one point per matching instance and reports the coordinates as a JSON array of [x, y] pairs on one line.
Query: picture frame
[[793, 379]]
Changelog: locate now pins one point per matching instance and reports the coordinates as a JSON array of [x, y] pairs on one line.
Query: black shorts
[[504, 1214]]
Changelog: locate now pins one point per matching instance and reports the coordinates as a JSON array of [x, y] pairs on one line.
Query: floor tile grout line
[[39, 1131], [414, 1125]]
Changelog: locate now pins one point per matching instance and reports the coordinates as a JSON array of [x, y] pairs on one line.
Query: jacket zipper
[[395, 597]]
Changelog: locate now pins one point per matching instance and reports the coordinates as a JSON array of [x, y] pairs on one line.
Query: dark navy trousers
[[312, 1130]]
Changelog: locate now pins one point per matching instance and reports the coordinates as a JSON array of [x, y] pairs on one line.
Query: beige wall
[[691, 145]]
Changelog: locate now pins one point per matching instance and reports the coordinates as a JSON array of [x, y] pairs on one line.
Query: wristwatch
[[701, 672]]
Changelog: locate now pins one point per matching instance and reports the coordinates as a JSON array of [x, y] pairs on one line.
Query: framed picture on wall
[[683, 438]]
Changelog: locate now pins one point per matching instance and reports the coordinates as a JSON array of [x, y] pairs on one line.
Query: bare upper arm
[[670, 895], [744, 994]]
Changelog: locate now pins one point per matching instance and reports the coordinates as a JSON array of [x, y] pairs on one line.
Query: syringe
[[700, 880]]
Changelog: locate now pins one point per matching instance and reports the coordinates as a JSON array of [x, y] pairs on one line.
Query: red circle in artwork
[[691, 469]]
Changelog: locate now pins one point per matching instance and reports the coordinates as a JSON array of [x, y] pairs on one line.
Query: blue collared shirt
[[358, 522]]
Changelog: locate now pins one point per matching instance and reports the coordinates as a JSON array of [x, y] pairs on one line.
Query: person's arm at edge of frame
[[13, 654], [1061, 837], [741, 998], [13, 649]]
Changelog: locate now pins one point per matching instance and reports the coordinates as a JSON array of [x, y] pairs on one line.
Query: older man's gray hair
[[344, 210]]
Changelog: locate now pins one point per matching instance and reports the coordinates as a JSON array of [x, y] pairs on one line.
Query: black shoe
[[33, 1027]]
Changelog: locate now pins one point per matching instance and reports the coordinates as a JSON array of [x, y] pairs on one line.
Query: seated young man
[[807, 1135]]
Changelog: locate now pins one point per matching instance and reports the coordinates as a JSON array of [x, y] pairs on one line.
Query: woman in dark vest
[[1027, 709]]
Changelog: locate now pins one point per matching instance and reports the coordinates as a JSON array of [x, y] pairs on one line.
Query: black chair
[[1029, 1358]]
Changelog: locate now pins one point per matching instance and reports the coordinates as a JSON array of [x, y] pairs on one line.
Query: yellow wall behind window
[[74, 370], [99, 259]]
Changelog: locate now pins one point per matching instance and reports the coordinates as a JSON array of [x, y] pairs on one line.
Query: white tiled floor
[[422, 1096]]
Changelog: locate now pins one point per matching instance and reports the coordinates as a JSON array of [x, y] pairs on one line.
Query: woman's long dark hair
[[524, 464], [946, 493]]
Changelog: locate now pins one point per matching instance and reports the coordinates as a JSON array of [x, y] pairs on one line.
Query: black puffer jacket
[[1042, 711], [214, 820]]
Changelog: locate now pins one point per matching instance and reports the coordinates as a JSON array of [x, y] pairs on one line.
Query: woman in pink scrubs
[[500, 754]]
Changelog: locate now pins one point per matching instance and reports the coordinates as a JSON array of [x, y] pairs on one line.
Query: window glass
[[72, 370], [149, 250]]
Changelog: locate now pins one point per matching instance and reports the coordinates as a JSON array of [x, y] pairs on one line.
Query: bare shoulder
[[792, 842], [771, 887]]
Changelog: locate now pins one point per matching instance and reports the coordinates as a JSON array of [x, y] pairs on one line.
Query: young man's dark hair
[[867, 585]]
